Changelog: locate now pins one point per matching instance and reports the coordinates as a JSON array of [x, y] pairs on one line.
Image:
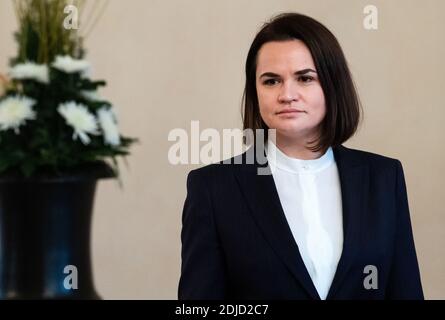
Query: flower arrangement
[[52, 118]]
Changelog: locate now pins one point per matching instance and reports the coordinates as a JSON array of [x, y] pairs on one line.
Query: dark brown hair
[[343, 108]]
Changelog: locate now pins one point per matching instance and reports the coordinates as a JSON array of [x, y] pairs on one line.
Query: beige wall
[[169, 62]]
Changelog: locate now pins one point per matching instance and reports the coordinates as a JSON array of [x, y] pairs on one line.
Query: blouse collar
[[279, 159]]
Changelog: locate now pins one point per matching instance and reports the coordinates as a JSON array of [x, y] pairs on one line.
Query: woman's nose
[[289, 92]]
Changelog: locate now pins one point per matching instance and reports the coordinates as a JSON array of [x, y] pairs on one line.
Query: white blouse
[[310, 195]]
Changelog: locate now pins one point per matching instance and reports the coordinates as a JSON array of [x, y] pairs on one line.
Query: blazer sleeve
[[404, 278], [202, 269]]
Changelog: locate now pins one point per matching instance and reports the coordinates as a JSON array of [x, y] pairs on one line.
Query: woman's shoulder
[[342, 154], [367, 156], [220, 168], [378, 163], [224, 170]]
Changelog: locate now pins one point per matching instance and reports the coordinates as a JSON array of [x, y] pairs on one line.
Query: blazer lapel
[[354, 180], [262, 197]]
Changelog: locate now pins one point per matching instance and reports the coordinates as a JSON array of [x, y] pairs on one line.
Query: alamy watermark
[[371, 281], [371, 20], [189, 148], [70, 282], [71, 21]]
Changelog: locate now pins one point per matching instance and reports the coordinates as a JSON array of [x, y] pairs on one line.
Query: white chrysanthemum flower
[[14, 111], [92, 95], [68, 64], [30, 70], [107, 121], [80, 119]]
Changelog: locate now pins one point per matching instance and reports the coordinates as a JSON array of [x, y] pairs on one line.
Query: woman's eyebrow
[[300, 72], [304, 71]]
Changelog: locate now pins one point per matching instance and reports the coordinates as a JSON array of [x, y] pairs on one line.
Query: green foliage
[[41, 35], [46, 144]]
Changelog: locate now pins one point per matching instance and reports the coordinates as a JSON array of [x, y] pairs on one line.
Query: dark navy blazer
[[237, 244]]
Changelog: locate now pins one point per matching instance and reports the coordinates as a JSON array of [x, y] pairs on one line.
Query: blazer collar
[[262, 198]]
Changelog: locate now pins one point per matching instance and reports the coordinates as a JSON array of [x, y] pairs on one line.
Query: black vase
[[45, 229]]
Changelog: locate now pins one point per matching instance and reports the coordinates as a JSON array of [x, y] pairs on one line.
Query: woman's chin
[[291, 132]]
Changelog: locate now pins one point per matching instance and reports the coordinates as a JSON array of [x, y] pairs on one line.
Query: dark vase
[[45, 229]]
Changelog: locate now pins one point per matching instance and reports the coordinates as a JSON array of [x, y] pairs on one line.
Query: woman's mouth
[[290, 112]]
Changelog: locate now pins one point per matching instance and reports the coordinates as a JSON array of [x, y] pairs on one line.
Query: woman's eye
[[305, 79], [270, 82]]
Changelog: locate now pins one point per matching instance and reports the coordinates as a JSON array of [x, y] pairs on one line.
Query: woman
[[328, 222]]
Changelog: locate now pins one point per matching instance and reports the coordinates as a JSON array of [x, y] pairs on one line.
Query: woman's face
[[290, 96]]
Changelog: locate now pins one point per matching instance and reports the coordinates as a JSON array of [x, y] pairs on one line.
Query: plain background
[[170, 62]]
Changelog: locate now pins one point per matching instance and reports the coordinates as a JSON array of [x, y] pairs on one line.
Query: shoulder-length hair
[[343, 108]]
